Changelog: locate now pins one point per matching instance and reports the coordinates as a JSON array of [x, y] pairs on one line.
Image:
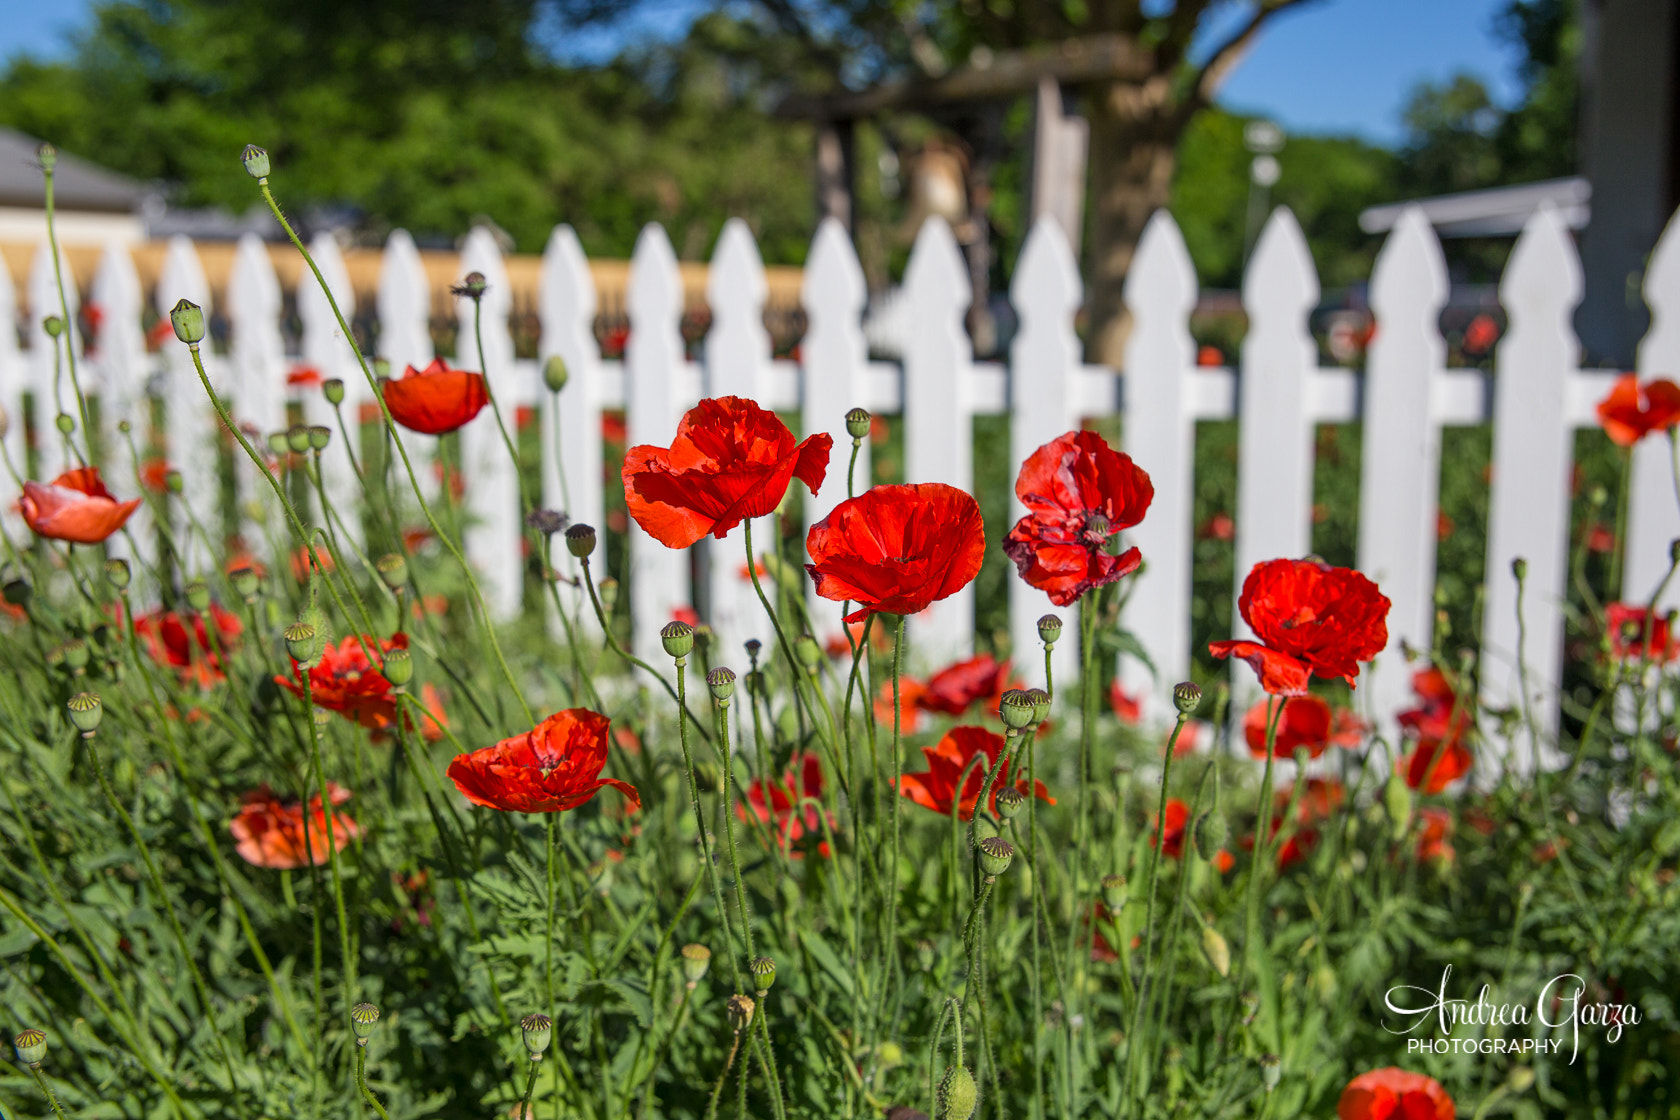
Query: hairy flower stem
[[345, 952], [1135, 1039], [1178, 903], [1081, 821], [723, 1075], [361, 1082], [726, 761], [1259, 862], [530, 1086], [889, 881], [495, 409], [41, 1078], [700, 817], [551, 842], [612, 644]]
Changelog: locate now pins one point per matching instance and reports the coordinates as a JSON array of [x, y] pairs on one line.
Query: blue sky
[[1332, 66]]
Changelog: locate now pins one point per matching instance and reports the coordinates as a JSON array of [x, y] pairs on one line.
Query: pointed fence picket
[[1536, 401], [14, 429], [327, 354], [50, 361]]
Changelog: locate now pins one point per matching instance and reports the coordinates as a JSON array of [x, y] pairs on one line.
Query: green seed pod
[[76, 653], [807, 652], [678, 639], [31, 1045], [302, 643], [399, 667], [1187, 697], [980, 826], [1217, 950], [555, 373], [392, 569], [1114, 893], [722, 683], [245, 582], [1212, 831], [1397, 803], [319, 436], [580, 540], [117, 573], [1049, 629], [763, 971], [536, 1030], [53, 325], [1041, 704], [1016, 709], [889, 1055], [187, 318], [1520, 1079], [255, 161], [197, 594], [277, 443], [1519, 568], [382, 368], [703, 639], [65, 423], [333, 389], [996, 854], [740, 1012], [85, 712], [297, 438], [363, 1018], [608, 589], [696, 959], [1271, 1071], [857, 423], [957, 1095], [47, 156], [173, 482], [1009, 802]]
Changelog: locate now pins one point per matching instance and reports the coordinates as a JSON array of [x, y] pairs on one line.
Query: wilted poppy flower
[[1078, 492], [554, 767], [1170, 829], [1307, 721], [74, 507], [1394, 1094], [731, 460], [186, 644], [897, 549], [1310, 619], [436, 399], [1636, 636], [936, 787], [951, 691], [1633, 411], [268, 832], [777, 803], [346, 682]]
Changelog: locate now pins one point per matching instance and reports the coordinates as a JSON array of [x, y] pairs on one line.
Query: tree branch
[[1226, 55]]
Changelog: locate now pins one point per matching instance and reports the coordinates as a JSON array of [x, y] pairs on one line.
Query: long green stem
[[64, 304], [1135, 1045], [345, 952], [361, 1083], [700, 816], [46, 1088]]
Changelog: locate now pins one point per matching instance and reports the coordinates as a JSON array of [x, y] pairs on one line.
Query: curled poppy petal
[[554, 767], [74, 507], [1279, 673], [1310, 619], [437, 399], [897, 549]]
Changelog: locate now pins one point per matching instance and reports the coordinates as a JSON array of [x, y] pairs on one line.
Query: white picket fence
[[1536, 400]]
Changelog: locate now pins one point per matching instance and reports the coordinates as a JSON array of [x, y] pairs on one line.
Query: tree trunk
[[1134, 133]]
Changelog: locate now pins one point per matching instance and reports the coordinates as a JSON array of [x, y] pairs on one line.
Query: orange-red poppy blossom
[[1633, 411], [186, 644], [269, 832], [437, 399], [1320, 798], [897, 549], [1079, 492], [1394, 1094], [1439, 724], [1311, 619], [951, 691], [1307, 721], [1422, 771], [551, 768], [936, 787], [776, 803], [1636, 636], [730, 460], [74, 507], [348, 683]]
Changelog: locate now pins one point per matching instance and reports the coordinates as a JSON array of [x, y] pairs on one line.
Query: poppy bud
[[555, 373], [277, 442], [85, 712], [753, 646], [857, 423], [609, 594], [1673, 558], [696, 959], [297, 438], [807, 651], [1009, 802], [1212, 830], [117, 573], [1041, 704], [319, 437], [1114, 893], [580, 540], [75, 653], [64, 422], [198, 594], [1519, 568], [1271, 1071], [255, 161], [703, 638], [980, 826], [536, 1030], [996, 854], [31, 1044], [924, 955], [399, 667], [722, 683], [1250, 1007], [472, 286], [173, 482], [678, 638], [957, 1095], [302, 644], [740, 1011], [187, 318], [245, 582], [53, 325], [392, 569], [1049, 629], [1397, 802], [1187, 697], [46, 155], [1520, 1079], [363, 1018], [333, 389], [1217, 950], [546, 521], [763, 971], [1016, 709]]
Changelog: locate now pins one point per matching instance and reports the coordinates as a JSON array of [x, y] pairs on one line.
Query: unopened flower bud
[[65, 423], [678, 639], [1016, 709], [555, 373], [807, 652], [47, 156], [1041, 704], [174, 482], [996, 854], [1520, 1079], [333, 389], [392, 569], [580, 540], [187, 318], [255, 160], [696, 959], [1271, 1071], [399, 667], [472, 286], [1519, 568], [1009, 801], [536, 1030], [277, 442], [1397, 803], [1217, 950], [889, 1055], [753, 645], [245, 582], [608, 589], [740, 1012], [1211, 832], [117, 573], [53, 325], [76, 653], [197, 594], [763, 971], [1049, 629], [31, 1044], [363, 1018], [301, 643], [925, 955], [857, 423], [1114, 893], [297, 438], [319, 436], [957, 1095], [722, 683], [85, 712], [1187, 697]]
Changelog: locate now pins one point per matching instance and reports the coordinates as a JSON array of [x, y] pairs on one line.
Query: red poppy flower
[[1310, 619], [1218, 527], [1434, 826], [1394, 1094], [346, 682], [936, 787], [554, 767], [897, 549], [304, 377], [1170, 828], [951, 691], [1454, 764], [1480, 335], [169, 641], [1636, 636], [436, 399], [1633, 411], [731, 460], [1600, 539], [777, 803], [1128, 709], [1438, 723], [74, 507], [1319, 800], [269, 832], [1078, 492], [1307, 721]]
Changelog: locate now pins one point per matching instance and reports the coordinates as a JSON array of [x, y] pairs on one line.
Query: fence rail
[[1536, 399]]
